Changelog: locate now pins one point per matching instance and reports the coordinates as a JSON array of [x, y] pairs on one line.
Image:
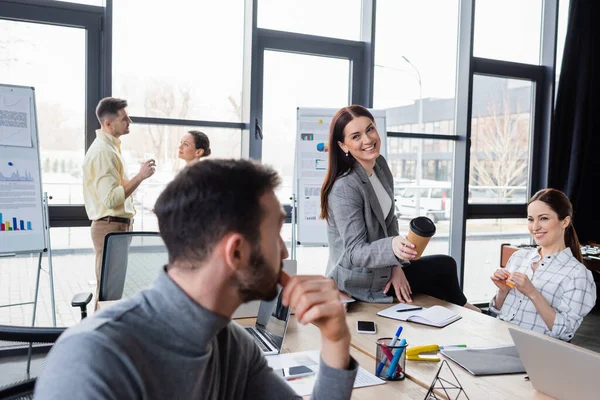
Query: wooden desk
[[474, 329], [307, 337]]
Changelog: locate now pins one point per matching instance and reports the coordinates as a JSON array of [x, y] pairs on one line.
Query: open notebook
[[434, 316]]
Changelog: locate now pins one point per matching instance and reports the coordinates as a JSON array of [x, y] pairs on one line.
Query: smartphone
[[296, 372], [366, 327]]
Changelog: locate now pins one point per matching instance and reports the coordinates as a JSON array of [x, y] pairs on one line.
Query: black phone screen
[[367, 326], [300, 369]]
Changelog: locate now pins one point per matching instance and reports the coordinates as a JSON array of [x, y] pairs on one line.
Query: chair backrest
[[23, 352], [506, 250], [130, 262]]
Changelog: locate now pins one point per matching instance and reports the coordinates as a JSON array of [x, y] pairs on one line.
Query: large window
[[482, 253], [500, 140], [415, 61], [331, 18], [292, 81], [508, 30], [431, 195], [181, 61], [161, 142], [52, 60]]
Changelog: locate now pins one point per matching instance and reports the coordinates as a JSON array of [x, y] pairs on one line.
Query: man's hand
[[400, 284], [316, 299], [147, 169], [523, 284], [499, 278], [402, 248]]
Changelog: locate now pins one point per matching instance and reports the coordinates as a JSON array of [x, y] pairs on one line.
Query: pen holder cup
[[385, 360]]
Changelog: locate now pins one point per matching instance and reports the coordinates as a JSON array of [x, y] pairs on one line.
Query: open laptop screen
[[272, 320]]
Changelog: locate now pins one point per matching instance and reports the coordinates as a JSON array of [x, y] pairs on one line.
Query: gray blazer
[[360, 236]]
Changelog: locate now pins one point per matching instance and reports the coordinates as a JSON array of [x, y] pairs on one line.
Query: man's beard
[[257, 281]]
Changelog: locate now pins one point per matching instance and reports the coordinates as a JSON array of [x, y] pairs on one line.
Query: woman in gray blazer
[[367, 257]]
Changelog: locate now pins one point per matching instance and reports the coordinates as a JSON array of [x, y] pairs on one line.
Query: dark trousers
[[435, 276]]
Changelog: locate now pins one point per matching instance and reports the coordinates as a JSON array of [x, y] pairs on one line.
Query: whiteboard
[[310, 168], [21, 209]]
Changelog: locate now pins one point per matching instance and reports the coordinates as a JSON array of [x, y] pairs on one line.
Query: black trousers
[[435, 276]]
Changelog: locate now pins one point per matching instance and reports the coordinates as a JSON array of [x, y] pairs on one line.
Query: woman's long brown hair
[[561, 205], [339, 163]]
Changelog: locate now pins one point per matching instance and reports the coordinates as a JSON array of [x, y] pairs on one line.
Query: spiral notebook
[[437, 316]]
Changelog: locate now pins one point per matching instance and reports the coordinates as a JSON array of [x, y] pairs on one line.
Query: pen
[[392, 344], [394, 364], [453, 346], [410, 309]]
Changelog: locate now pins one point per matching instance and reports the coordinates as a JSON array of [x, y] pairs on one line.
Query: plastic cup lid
[[422, 226]]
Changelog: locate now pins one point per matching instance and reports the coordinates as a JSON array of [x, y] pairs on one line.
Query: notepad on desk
[[437, 316]]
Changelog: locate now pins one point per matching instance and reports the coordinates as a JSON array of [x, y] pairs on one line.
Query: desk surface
[[307, 337], [473, 329]]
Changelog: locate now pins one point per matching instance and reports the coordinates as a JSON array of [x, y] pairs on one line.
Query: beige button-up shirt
[[103, 175]]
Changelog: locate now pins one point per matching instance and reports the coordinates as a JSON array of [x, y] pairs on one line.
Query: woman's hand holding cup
[[403, 249]]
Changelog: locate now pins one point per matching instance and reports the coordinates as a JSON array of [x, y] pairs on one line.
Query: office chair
[[23, 352], [130, 262]]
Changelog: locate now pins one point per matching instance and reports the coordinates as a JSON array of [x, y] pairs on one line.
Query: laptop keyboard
[[259, 341]]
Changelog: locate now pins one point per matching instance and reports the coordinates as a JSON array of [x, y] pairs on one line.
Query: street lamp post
[[419, 166]]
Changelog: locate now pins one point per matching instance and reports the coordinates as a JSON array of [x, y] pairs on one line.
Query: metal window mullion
[[540, 147], [464, 95], [188, 122], [434, 136]]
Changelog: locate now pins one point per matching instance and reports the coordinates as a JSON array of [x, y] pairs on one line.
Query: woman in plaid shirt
[[546, 289]]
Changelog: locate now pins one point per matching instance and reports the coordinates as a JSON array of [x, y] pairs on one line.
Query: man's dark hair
[[210, 199], [109, 107]]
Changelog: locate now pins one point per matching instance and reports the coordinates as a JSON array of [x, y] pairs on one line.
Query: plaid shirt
[[566, 284]]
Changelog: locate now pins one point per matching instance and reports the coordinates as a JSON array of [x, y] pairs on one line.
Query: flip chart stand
[[47, 250]]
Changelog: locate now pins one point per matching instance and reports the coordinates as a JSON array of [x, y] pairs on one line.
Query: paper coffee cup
[[421, 229]]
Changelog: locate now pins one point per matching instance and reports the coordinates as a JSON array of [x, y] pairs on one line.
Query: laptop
[[558, 369], [271, 324], [250, 310]]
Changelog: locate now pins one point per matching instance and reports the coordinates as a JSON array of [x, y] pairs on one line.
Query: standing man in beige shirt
[[107, 191]]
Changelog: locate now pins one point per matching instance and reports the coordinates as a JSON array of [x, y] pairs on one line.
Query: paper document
[[437, 316], [304, 386], [15, 121]]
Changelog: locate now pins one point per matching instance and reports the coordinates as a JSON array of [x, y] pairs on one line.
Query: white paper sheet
[[304, 386]]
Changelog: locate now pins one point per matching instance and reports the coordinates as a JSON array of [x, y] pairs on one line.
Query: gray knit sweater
[[160, 344]]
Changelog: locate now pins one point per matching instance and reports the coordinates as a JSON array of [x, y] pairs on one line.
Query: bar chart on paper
[[14, 224], [19, 196]]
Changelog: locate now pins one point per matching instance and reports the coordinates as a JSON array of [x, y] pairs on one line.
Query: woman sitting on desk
[[193, 146], [546, 289], [365, 249]]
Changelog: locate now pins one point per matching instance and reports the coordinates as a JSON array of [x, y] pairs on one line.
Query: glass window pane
[[184, 61], [508, 30], [161, 142], [432, 194], [52, 60], [292, 81], [331, 18], [500, 140], [482, 253], [415, 59], [73, 267], [561, 34]]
